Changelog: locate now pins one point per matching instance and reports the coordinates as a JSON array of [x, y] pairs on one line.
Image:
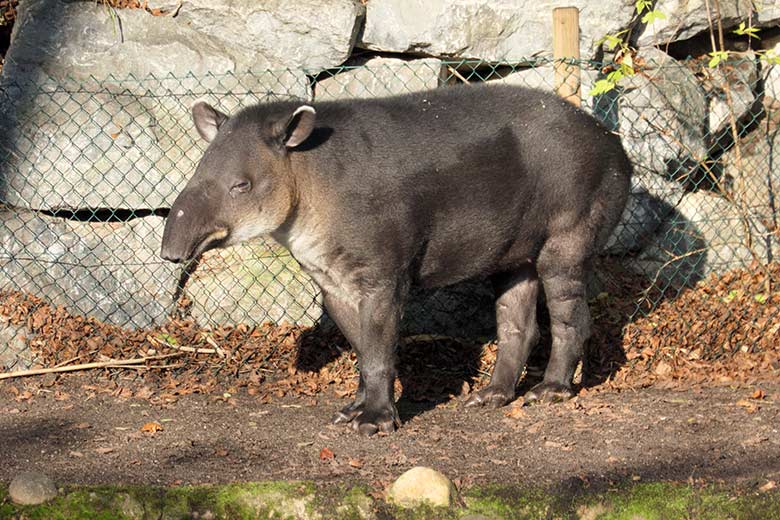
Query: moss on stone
[[303, 500]]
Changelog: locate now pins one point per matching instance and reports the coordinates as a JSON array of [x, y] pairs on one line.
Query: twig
[[457, 74], [86, 366]]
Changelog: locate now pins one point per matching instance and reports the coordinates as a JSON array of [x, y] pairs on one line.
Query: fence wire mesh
[[89, 168]]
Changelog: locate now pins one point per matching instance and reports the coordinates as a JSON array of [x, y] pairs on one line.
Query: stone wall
[[95, 120]]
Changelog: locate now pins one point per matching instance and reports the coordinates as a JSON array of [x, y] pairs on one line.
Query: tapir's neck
[[305, 231]]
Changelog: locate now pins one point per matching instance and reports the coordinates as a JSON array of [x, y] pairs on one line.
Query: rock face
[[31, 488], [421, 485], [379, 77], [755, 183], [662, 114], [686, 18], [252, 283], [14, 353], [108, 270], [706, 234], [109, 145], [113, 137], [84, 39], [741, 75], [510, 30]]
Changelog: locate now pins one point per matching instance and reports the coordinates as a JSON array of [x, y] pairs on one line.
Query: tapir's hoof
[[346, 414], [490, 397], [368, 422], [549, 393], [372, 421]]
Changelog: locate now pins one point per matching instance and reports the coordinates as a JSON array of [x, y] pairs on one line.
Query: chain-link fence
[[89, 168]]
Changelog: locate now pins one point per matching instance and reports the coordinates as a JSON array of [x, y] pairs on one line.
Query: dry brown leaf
[[327, 454], [152, 427], [355, 463], [758, 394], [769, 486]]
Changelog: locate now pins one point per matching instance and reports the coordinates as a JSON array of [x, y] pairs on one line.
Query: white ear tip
[[304, 108]]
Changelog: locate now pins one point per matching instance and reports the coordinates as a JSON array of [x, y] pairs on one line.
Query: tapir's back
[[479, 169]]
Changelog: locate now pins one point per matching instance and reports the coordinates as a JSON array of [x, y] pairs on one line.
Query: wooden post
[[566, 46]]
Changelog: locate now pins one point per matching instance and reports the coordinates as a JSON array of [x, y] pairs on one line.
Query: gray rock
[[543, 78], [85, 39], [85, 124], [311, 34], [706, 234], [754, 184], [651, 201], [686, 18], [510, 30], [108, 270], [31, 488], [421, 485], [252, 283], [14, 352], [118, 144], [771, 76], [378, 77], [740, 75], [662, 115], [767, 13]]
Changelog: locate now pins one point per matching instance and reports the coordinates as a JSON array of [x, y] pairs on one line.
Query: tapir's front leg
[[345, 314], [379, 314]]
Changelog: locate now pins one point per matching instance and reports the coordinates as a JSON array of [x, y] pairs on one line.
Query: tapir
[[373, 196]]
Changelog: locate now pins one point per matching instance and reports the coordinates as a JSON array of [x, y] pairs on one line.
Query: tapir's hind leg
[[518, 332], [562, 268]]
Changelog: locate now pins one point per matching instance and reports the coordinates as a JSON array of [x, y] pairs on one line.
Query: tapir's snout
[[190, 230]]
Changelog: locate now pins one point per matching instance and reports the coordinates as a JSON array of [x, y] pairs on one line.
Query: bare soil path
[[77, 436]]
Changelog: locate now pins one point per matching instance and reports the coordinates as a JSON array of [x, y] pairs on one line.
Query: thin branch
[[114, 363]]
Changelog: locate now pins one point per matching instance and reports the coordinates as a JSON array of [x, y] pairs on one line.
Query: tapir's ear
[[207, 120], [299, 127]]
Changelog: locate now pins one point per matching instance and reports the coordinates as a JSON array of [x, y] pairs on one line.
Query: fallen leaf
[[355, 463], [104, 451], [151, 427], [769, 486], [77, 454], [327, 454], [747, 405], [758, 394], [515, 412]]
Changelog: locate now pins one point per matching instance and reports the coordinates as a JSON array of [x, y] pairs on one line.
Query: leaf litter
[[700, 337]]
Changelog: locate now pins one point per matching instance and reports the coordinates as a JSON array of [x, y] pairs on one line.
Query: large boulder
[[706, 234], [255, 282], [85, 126], [651, 202], [14, 351], [662, 117], [753, 180], [494, 31], [542, 77], [738, 75], [378, 77], [89, 39], [687, 18], [108, 270]]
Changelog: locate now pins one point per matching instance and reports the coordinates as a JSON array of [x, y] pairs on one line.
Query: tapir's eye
[[241, 187]]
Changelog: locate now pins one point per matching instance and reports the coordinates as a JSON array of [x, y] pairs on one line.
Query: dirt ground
[[79, 436]]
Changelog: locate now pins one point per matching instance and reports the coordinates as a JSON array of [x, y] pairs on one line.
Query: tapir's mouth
[[210, 241]]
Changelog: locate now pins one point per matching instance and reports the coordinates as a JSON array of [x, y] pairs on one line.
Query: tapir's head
[[242, 187]]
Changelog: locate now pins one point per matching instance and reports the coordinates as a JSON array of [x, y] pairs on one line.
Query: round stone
[[422, 485], [31, 488]]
